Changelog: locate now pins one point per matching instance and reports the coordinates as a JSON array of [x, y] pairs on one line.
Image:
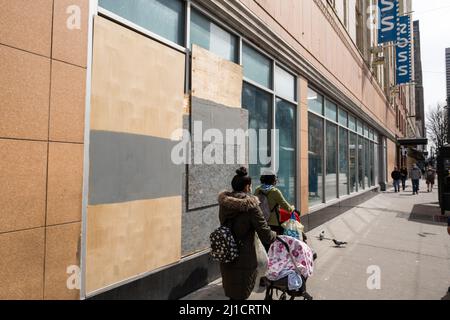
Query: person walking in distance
[[416, 175], [404, 173], [430, 176], [396, 177]]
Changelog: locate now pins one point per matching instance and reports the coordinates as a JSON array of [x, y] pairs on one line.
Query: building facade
[[97, 207], [447, 64]]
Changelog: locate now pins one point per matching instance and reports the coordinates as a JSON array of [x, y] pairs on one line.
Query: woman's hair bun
[[242, 172]]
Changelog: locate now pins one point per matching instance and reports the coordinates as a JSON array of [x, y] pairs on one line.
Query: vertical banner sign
[[404, 51], [388, 13]]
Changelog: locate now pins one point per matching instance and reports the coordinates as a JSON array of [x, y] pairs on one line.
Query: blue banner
[[404, 51], [389, 14]]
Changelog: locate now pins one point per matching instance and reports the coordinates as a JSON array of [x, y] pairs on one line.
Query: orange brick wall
[[42, 106]]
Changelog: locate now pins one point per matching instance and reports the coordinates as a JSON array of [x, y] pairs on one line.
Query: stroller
[[282, 285]]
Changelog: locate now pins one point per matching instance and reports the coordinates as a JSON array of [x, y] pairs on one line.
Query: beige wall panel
[[67, 103], [127, 239], [70, 44], [23, 171], [22, 265], [24, 94], [27, 25], [137, 85], [392, 157], [216, 79], [61, 251], [65, 183]]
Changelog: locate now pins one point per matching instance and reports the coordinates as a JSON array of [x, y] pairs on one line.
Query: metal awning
[[413, 142]]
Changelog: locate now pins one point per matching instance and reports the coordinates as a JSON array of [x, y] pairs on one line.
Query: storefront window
[[285, 84], [287, 129], [259, 105], [162, 17], [315, 102], [208, 35], [330, 110], [343, 119], [367, 181], [343, 162], [353, 162], [372, 164], [315, 128], [361, 162], [351, 123], [331, 176], [257, 67]]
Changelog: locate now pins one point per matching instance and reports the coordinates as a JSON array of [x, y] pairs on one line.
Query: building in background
[[90, 112], [447, 64], [418, 75]]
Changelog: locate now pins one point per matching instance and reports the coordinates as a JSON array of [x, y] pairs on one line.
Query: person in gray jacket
[[416, 175]]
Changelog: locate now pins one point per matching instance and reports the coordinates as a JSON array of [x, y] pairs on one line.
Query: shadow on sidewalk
[[428, 213]]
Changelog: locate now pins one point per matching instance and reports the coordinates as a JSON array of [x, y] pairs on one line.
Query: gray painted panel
[[127, 167]]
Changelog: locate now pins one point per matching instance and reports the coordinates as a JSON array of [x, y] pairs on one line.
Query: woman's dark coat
[[242, 214]]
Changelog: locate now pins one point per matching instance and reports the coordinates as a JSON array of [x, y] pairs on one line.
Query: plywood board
[[216, 79], [128, 239], [137, 83]]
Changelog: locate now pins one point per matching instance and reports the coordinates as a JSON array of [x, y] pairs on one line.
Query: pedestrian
[[430, 176], [404, 173], [396, 177], [275, 199], [240, 210], [416, 175]]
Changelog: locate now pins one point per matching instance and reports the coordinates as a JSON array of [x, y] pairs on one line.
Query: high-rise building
[[418, 76], [100, 200], [447, 64]]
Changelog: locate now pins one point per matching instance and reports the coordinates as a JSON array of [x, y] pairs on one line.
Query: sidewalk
[[402, 234]]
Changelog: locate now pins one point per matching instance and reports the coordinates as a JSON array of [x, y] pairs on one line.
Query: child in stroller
[[290, 265]]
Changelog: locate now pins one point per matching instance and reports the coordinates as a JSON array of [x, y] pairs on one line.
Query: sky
[[434, 17]]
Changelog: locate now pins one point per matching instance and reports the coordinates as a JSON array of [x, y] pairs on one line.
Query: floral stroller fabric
[[283, 274]]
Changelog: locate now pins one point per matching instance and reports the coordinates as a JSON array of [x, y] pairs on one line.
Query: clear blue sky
[[434, 16]]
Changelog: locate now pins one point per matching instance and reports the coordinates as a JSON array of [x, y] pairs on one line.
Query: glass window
[[163, 17], [343, 119], [208, 35], [367, 181], [376, 164], [361, 162], [315, 155], [286, 120], [285, 84], [360, 128], [331, 176], [375, 137], [351, 123], [372, 164], [352, 161], [330, 110], [259, 105], [315, 102], [343, 161], [257, 67], [366, 131]]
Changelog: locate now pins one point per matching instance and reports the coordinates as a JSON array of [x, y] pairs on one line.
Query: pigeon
[[339, 243], [322, 235]]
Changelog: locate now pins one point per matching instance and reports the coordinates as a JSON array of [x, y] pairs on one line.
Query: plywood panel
[[127, 239], [137, 84], [216, 79]]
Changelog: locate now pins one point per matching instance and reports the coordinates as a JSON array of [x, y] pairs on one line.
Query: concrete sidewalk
[[401, 235]]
